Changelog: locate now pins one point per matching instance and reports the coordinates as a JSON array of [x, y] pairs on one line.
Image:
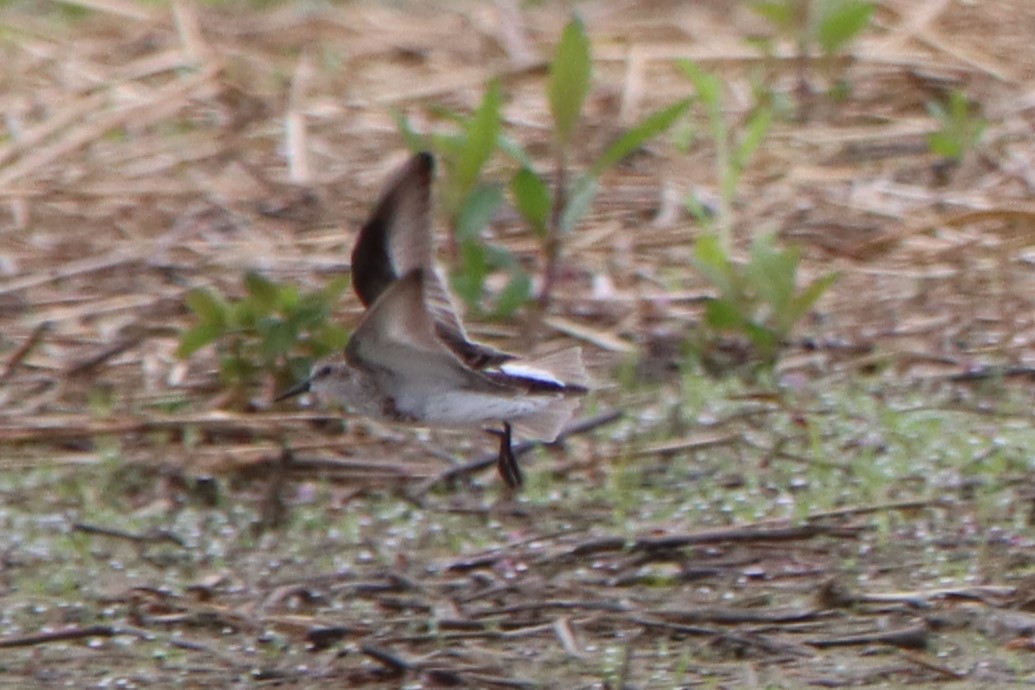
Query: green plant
[[960, 127], [551, 211], [733, 148], [552, 214], [272, 329], [758, 300], [829, 25]]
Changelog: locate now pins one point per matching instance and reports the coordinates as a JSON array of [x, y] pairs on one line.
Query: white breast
[[464, 408]]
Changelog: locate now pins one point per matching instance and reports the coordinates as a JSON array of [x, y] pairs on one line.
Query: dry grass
[[149, 150]]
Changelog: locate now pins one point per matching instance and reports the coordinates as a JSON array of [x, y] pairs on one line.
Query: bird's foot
[[506, 463]]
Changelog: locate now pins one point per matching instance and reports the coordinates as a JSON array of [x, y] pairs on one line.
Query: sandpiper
[[410, 359]]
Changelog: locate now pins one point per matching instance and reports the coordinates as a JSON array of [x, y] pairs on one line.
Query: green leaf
[[311, 313], [277, 336], [330, 338], [786, 15], [448, 146], [498, 257], [569, 83], [477, 212], [713, 262], [960, 128], [532, 199], [243, 314], [515, 295], [580, 200], [723, 315], [765, 339], [707, 85], [807, 298], [197, 337], [482, 137], [651, 126], [772, 272], [236, 370], [945, 145], [469, 279], [289, 298], [840, 21], [210, 307], [754, 134], [264, 292]]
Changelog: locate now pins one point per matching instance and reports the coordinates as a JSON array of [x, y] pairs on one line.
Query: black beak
[[297, 389]]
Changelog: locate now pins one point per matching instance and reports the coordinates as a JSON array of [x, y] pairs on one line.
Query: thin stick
[[149, 537], [389, 660], [15, 360], [63, 635], [913, 637]]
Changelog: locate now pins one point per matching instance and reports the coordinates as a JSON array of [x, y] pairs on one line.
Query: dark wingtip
[[297, 389], [426, 160], [373, 268]]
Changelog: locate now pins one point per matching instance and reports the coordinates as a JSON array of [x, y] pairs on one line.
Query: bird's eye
[[322, 372]]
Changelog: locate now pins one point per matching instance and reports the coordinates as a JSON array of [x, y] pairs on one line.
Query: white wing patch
[[563, 367], [525, 370]]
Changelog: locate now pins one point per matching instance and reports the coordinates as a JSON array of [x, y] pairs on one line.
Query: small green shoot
[[570, 74], [272, 329], [960, 127], [760, 300], [552, 214], [830, 25], [550, 209], [733, 149]]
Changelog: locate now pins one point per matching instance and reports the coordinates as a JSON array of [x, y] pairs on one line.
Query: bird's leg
[[506, 463]]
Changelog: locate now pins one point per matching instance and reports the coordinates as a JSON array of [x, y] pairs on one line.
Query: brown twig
[[390, 660], [19, 355], [736, 616], [746, 533], [150, 537], [89, 364], [913, 637], [63, 635]]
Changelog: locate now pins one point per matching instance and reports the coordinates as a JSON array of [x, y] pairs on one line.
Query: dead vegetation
[[149, 150]]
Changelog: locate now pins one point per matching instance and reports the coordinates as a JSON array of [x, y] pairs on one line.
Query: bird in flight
[[410, 359]]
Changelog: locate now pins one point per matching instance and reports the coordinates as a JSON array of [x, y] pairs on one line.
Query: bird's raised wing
[[397, 239]]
